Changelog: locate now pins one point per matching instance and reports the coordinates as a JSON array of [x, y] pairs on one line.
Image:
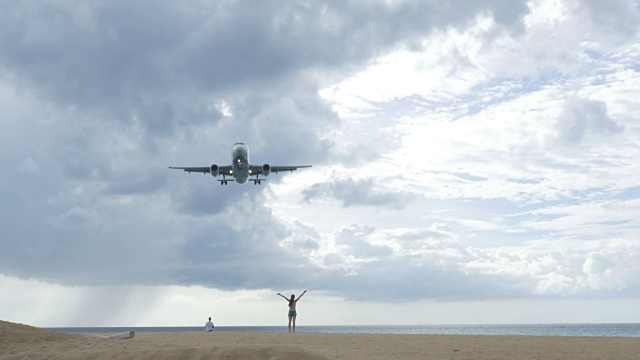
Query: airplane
[[240, 168]]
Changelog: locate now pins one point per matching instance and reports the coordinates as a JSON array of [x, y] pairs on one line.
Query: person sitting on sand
[[209, 325], [292, 309]]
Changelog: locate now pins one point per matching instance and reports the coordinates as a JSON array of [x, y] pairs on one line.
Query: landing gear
[[223, 181], [257, 181]]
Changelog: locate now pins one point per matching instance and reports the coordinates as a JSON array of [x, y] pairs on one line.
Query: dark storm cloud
[[125, 89], [123, 54], [136, 183], [159, 67], [203, 195], [226, 258], [241, 249], [22, 219], [286, 125]]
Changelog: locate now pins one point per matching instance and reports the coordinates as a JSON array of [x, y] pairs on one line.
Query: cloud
[[353, 237], [28, 165], [406, 264], [76, 217], [302, 237], [358, 192], [582, 118], [619, 19], [204, 195], [118, 52]]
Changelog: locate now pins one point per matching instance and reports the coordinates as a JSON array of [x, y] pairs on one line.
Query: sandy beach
[[19, 341]]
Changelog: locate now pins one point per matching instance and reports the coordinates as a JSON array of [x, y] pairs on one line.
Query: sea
[[616, 330]]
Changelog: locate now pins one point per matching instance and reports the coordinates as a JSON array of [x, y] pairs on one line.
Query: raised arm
[[304, 292], [284, 297]]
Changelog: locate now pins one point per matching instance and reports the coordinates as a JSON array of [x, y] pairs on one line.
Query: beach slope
[[19, 341]]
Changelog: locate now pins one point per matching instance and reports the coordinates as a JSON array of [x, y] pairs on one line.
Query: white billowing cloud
[[564, 36], [587, 220], [439, 257], [505, 147], [358, 192], [303, 237], [511, 149], [568, 268], [450, 63], [352, 240], [436, 237], [584, 117], [433, 75], [619, 18]]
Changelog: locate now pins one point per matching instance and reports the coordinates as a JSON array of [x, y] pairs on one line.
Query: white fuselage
[[240, 162]]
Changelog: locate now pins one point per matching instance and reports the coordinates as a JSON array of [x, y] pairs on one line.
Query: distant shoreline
[[599, 329]]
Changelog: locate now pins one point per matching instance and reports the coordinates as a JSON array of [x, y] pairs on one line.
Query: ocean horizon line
[[553, 329]]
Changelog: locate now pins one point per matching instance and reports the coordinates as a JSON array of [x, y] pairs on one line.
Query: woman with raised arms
[[292, 309]]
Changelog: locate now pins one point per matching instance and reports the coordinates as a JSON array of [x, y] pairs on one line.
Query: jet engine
[[266, 169], [214, 170]]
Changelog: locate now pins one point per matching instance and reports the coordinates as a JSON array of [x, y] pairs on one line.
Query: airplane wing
[[257, 169], [224, 170], [276, 169]]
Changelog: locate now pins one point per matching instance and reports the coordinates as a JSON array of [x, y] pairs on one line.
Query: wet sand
[[19, 341]]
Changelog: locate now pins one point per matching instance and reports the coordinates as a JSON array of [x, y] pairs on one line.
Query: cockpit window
[[239, 143]]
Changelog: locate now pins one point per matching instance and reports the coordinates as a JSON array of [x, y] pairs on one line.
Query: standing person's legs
[[290, 318], [294, 323]]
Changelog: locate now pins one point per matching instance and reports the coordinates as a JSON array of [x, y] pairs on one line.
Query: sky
[[474, 162]]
